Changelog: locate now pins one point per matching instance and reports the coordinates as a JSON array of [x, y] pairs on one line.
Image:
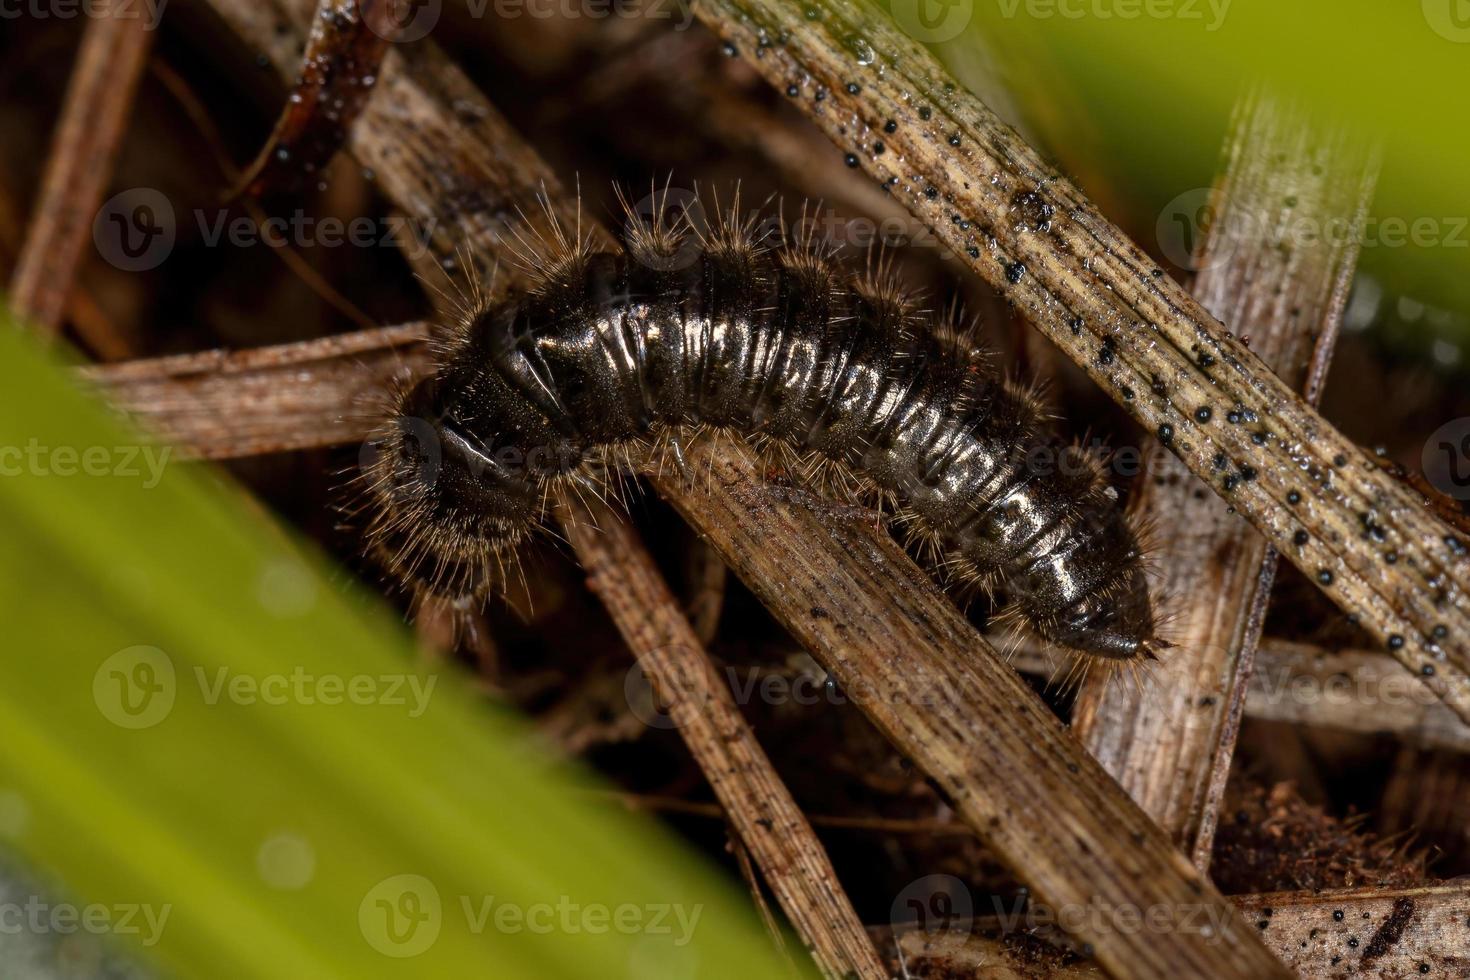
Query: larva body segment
[[786, 346]]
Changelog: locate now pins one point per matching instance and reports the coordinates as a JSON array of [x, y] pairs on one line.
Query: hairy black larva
[[712, 329]]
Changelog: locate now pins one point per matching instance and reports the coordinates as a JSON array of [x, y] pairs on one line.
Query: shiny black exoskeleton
[[611, 349]]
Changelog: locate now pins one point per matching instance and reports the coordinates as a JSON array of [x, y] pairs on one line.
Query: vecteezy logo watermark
[[939, 906], [1446, 459], [1450, 19], [149, 11], [138, 687], [37, 916], [1209, 12], [409, 456], [678, 213], [1183, 227], [644, 702], [402, 917], [401, 20], [138, 229], [126, 462], [135, 230], [933, 21]]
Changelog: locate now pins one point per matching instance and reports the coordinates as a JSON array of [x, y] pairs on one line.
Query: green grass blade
[[246, 770]]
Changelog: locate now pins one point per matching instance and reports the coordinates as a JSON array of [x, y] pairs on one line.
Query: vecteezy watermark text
[[1211, 13], [138, 687], [402, 916], [37, 916], [149, 11], [138, 229], [1100, 917], [1200, 217], [406, 21], [126, 462], [943, 909]]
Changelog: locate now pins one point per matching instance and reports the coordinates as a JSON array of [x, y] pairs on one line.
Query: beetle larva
[[780, 345]]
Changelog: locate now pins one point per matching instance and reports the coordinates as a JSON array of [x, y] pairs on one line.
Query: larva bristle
[[731, 232], [543, 249], [809, 268], [882, 295], [1082, 471], [1030, 394], [655, 241], [959, 339], [805, 255], [705, 333], [461, 298], [920, 536]]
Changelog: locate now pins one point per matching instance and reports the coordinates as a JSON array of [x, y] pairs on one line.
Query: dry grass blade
[[98, 333], [1332, 935], [904, 654], [1367, 932], [1170, 746], [700, 705], [99, 100], [1349, 690], [221, 404], [1371, 546]]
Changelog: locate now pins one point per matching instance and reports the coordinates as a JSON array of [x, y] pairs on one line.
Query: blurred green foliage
[[244, 770], [1133, 96]]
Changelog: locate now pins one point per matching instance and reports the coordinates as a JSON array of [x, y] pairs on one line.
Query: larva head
[[445, 513]]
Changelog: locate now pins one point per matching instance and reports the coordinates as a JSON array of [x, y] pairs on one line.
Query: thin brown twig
[[700, 705], [288, 254], [1371, 546], [344, 52], [99, 99], [1170, 746], [222, 404], [97, 332], [758, 897]]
